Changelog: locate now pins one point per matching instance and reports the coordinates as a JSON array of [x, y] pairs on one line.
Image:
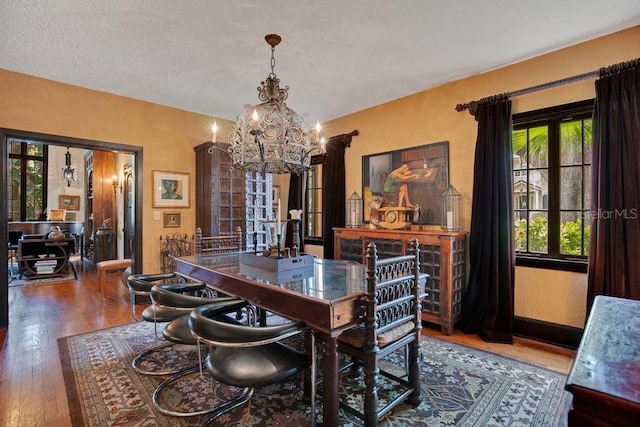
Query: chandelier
[[270, 137], [67, 172]]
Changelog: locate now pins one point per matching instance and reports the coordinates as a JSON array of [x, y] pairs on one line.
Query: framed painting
[[171, 219], [412, 177], [170, 189], [56, 214], [70, 203]]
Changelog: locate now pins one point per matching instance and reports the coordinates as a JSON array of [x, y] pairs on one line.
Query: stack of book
[[46, 266]]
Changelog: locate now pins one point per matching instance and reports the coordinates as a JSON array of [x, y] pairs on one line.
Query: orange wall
[[167, 135], [430, 116]]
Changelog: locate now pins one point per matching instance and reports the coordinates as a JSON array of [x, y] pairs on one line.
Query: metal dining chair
[[249, 357], [169, 298]]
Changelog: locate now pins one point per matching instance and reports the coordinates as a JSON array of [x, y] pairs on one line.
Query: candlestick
[[278, 246], [255, 243], [278, 229], [255, 220]]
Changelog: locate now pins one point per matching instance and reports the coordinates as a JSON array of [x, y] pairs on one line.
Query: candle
[[449, 220], [296, 213], [278, 230], [255, 220], [214, 129]]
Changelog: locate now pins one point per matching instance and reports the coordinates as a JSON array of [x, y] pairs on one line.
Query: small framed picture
[[171, 219], [170, 189], [56, 214], [70, 216], [70, 203]]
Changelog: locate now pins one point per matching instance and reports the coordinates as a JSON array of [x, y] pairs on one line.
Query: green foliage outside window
[[570, 236]]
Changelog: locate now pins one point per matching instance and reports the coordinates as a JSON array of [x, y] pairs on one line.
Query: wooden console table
[[34, 251], [605, 377], [443, 256]]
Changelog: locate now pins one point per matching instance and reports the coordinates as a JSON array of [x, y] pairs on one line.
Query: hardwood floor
[[32, 391]]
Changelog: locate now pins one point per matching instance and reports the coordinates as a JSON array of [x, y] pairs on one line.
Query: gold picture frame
[[171, 219], [56, 214], [70, 203], [171, 189]]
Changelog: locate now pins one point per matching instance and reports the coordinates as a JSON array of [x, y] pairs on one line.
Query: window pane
[[520, 233], [538, 232], [538, 147], [539, 189], [13, 193], [571, 143], [519, 141], [35, 180], [587, 187], [15, 146], [587, 140], [571, 233], [571, 196], [35, 149], [313, 216]]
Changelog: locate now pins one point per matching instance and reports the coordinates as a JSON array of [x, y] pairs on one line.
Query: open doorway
[[130, 167]]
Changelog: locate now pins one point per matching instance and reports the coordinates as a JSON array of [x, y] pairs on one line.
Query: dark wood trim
[[552, 333], [65, 141], [575, 265]]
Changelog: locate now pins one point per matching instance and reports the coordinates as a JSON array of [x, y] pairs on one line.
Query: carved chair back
[[218, 244]]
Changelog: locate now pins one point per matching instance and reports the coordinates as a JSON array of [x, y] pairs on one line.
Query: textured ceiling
[[338, 57]]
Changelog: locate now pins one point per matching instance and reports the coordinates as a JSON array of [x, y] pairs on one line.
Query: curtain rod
[[590, 75]]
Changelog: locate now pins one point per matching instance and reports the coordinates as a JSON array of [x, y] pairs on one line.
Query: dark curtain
[[614, 251], [487, 305], [297, 185], [333, 189]]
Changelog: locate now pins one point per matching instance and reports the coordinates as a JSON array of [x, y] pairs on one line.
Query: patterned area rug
[[461, 387]]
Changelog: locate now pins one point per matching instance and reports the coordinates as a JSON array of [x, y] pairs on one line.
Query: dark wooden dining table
[[327, 295]]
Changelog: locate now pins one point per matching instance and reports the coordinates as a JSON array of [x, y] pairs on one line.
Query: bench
[[109, 266]]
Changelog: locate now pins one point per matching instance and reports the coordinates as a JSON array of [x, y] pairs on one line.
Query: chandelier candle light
[[270, 137]]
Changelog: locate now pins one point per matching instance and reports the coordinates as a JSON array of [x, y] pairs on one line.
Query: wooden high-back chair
[[218, 244], [392, 321]]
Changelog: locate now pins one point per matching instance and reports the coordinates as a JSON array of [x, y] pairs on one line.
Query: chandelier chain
[[273, 61]]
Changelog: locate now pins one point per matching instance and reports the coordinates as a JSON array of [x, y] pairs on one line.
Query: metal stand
[[296, 232]]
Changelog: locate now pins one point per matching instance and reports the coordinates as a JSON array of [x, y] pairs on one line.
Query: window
[[313, 205], [27, 180], [552, 186]]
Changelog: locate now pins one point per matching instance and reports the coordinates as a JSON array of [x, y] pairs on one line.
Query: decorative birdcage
[[451, 210], [354, 211]]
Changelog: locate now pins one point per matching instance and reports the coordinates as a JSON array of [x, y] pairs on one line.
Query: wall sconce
[[451, 210], [354, 211], [68, 174], [117, 184]]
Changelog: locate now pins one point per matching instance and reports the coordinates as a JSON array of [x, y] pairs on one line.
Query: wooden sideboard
[[605, 377], [443, 256]]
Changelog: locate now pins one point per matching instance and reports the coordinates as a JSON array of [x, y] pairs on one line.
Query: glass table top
[[323, 279]]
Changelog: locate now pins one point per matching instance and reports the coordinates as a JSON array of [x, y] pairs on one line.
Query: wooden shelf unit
[[100, 205], [443, 255], [220, 191]]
